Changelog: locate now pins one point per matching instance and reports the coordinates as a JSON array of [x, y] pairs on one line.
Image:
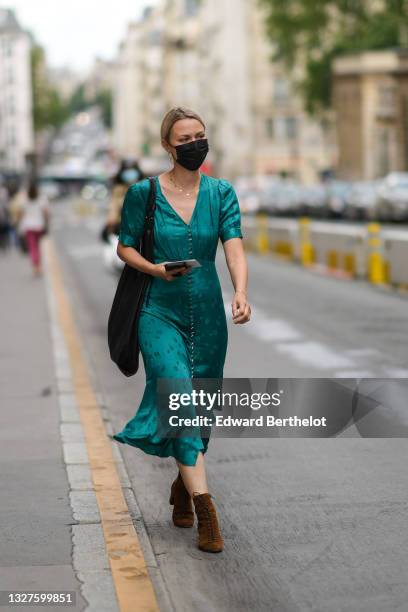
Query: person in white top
[[33, 220]]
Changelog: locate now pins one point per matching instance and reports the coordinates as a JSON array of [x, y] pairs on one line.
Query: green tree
[[78, 101], [311, 33], [48, 107], [103, 99]]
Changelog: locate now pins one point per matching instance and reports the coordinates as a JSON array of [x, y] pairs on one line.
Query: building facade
[[214, 56], [16, 123], [63, 79], [138, 101], [100, 78], [370, 95]]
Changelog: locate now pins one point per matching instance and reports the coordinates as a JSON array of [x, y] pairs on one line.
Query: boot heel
[[183, 515]]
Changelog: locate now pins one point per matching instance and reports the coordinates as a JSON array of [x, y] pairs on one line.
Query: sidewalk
[[59, 532], [35, 512]]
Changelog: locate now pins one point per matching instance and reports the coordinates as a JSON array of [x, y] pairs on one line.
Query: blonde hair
[[173, 115]]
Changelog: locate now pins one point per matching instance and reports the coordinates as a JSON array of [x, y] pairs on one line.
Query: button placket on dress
[[190, 302]]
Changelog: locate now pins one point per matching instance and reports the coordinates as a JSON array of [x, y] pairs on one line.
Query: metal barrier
[[360, 251], [377, 271], [307, 254], [262, 238], [396, 257], [340, 247]]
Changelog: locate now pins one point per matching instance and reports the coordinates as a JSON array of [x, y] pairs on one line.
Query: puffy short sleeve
[[133, 214], [230, 214]]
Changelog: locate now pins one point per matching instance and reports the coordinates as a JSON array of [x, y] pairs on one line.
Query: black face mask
[[191, 155]]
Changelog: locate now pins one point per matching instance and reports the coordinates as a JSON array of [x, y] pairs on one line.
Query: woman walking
[[33, 218], [182, 325]]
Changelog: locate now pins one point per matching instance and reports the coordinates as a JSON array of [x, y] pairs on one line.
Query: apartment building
[[138, 100], [16, 124], [370, 96], [214, 56]]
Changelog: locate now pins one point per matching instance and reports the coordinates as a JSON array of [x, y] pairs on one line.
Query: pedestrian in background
[[33, 219], [16, 196], [4, 219], [128, 173]]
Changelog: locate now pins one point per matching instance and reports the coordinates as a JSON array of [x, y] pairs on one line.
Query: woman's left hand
[[241, 310]]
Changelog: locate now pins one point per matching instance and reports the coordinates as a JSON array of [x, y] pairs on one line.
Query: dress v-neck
[[172, 207]]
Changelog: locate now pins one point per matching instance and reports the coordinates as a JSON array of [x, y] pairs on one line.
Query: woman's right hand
[[169, 275]]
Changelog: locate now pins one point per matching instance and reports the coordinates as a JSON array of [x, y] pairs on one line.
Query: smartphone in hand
[[182, 263]]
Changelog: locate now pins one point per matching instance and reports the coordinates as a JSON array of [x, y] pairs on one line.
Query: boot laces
[[208, 519]]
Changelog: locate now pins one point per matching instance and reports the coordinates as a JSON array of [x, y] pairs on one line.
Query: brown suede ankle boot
[[183, 515], [209, 535]]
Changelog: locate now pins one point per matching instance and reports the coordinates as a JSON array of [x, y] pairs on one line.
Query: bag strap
[[147, 240], [151, 204]]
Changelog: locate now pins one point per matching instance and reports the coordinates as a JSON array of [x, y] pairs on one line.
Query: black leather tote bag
[[132, 285]]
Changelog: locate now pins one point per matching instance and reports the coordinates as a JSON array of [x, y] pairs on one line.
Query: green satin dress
[[182, 326]]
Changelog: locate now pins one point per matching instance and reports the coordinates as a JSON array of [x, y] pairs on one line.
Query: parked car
[[362, 201], [281, 197], [336, 197], [248, 194], [393, 197], [313, 200]]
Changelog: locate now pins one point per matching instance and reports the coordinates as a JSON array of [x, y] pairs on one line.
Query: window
[[291, 128], [190, 8], [11, 137], [280, 90], [386, 101], [280, 128], [154, 37], [11, 105], [269, 127]]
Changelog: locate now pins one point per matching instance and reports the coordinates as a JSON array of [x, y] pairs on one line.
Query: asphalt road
[[309, 524]]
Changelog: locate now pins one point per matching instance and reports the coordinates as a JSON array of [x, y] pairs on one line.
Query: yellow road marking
[[130, 576]]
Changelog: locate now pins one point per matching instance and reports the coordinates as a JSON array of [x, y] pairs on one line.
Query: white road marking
[[363, 352], [354, 374], [316, 355], [310, 353], [269, 330], [264, 327], [396, 372]]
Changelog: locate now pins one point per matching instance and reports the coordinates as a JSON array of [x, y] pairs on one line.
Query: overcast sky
[[73, 32]]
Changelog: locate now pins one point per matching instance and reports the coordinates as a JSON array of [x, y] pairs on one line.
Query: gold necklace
[[189, 193]]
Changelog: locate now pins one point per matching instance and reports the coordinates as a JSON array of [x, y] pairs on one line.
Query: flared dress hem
[[159, 450]]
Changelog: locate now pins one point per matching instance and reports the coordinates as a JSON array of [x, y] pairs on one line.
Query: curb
[[108, 527]]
